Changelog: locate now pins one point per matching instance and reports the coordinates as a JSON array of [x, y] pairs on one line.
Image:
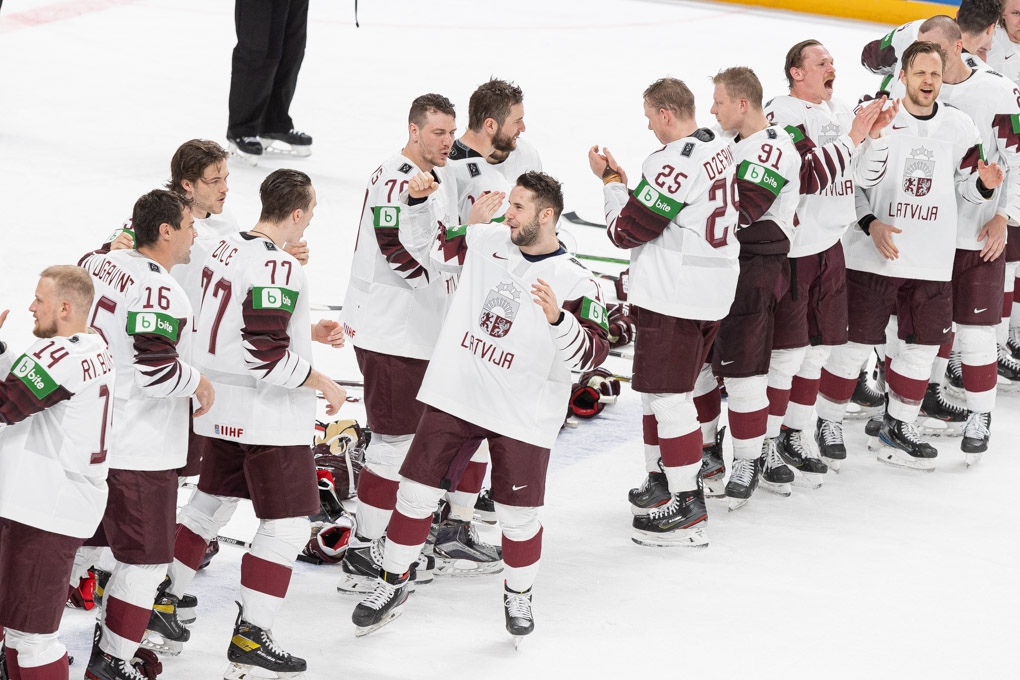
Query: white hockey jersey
[[523, 159], [768, 187], [209, 230], [57, 398], [828, 163], [679, 224], [145, 318], [499, 363], [473, 176], [931, 163], [989, 99], [396, 299], [1004, 55], [254, 343], [882, 56]]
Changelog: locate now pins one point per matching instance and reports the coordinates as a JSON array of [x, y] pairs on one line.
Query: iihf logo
[[918, 172], [500, 309], [828, 134]]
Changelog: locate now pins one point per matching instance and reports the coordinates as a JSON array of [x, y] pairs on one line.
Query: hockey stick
[[602, 258], [350, 383], [234, 541], [325, 308], [574, 218]]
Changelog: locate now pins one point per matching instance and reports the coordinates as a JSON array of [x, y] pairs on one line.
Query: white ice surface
[[882, 573]]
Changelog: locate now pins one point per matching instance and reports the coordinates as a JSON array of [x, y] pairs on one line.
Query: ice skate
[[680, 522], [1013, 342], [291, 143], [517, 609], [653, 492], [187, 609], [976, 436], [809, 470], [485, 507], [459, 552], [165, 632], [248, 150], [829, 438], [713, 468], [866, 401], [939, 417], [871, 429], [743, 481], [383, 604], [253, 647], [102, 578], [954, 377], [103, 666], [363, 561], [776, 475], [1009, 372], [903, 447]]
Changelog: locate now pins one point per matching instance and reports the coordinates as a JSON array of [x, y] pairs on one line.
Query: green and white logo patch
[[386, 216], [35, 377], [594, 311], [762, 176], [155, 323], [454, 232], [651, 198], [274, 298]]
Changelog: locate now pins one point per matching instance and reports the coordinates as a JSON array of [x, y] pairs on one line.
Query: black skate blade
[[362, 631]]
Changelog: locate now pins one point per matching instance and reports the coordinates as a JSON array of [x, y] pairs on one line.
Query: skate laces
[[910, 433], [946, 404], [743, 471], [772, 457], [518, 605], [376, 550], [382, 594], [832, 432], [665, 510], [977, 426], [270, 643], [1006, 359], [128, 669]]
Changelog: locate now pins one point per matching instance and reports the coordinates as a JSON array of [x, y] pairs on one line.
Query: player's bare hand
[[328, 332], [884, 118], [422, 185], [299, 251], [485, 207], [206, 395], [603, 164], [125, 241], [881, 236], [865, 119], [335, 397], [3, 317], [546, 299], [990, 174], [995, 231]]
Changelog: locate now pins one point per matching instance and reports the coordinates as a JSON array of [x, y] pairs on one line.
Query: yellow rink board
[[880, 11]]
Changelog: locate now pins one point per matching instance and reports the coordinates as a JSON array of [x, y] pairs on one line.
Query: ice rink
[[881, 573]]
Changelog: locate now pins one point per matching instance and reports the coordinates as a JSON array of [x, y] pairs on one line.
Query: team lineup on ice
[[328, 407]]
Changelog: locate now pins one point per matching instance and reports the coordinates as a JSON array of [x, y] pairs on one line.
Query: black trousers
[[271, 36]]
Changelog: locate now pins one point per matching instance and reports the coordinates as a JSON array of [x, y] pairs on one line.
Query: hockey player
[[902, 255], [56, 401], [977, 20], [979, 268], [145, 318], [767, 189], [1002, 54], [395, 304], [254, 341], [680, 225], [811, 316], [510, 358]]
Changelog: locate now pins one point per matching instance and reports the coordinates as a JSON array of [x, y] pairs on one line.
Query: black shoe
[[977, 433], [103, 666], [653, 492], [866, 396], [829, 437], [485, 507], [186, 609], [795, 452], [1009, 368], [290, 143], [102, 578], [252, 646], [954, 370], [1013, 345], [517, 610], [776, 475], [903, 446], [713, 467], [245, 146], [936, 406], [165, 632], [383, 604], [681, 521], [743, 481]]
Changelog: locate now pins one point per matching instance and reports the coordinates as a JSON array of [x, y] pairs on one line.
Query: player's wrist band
[[865, 223]]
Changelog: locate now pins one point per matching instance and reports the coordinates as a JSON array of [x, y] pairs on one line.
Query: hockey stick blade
[[574, 218]]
